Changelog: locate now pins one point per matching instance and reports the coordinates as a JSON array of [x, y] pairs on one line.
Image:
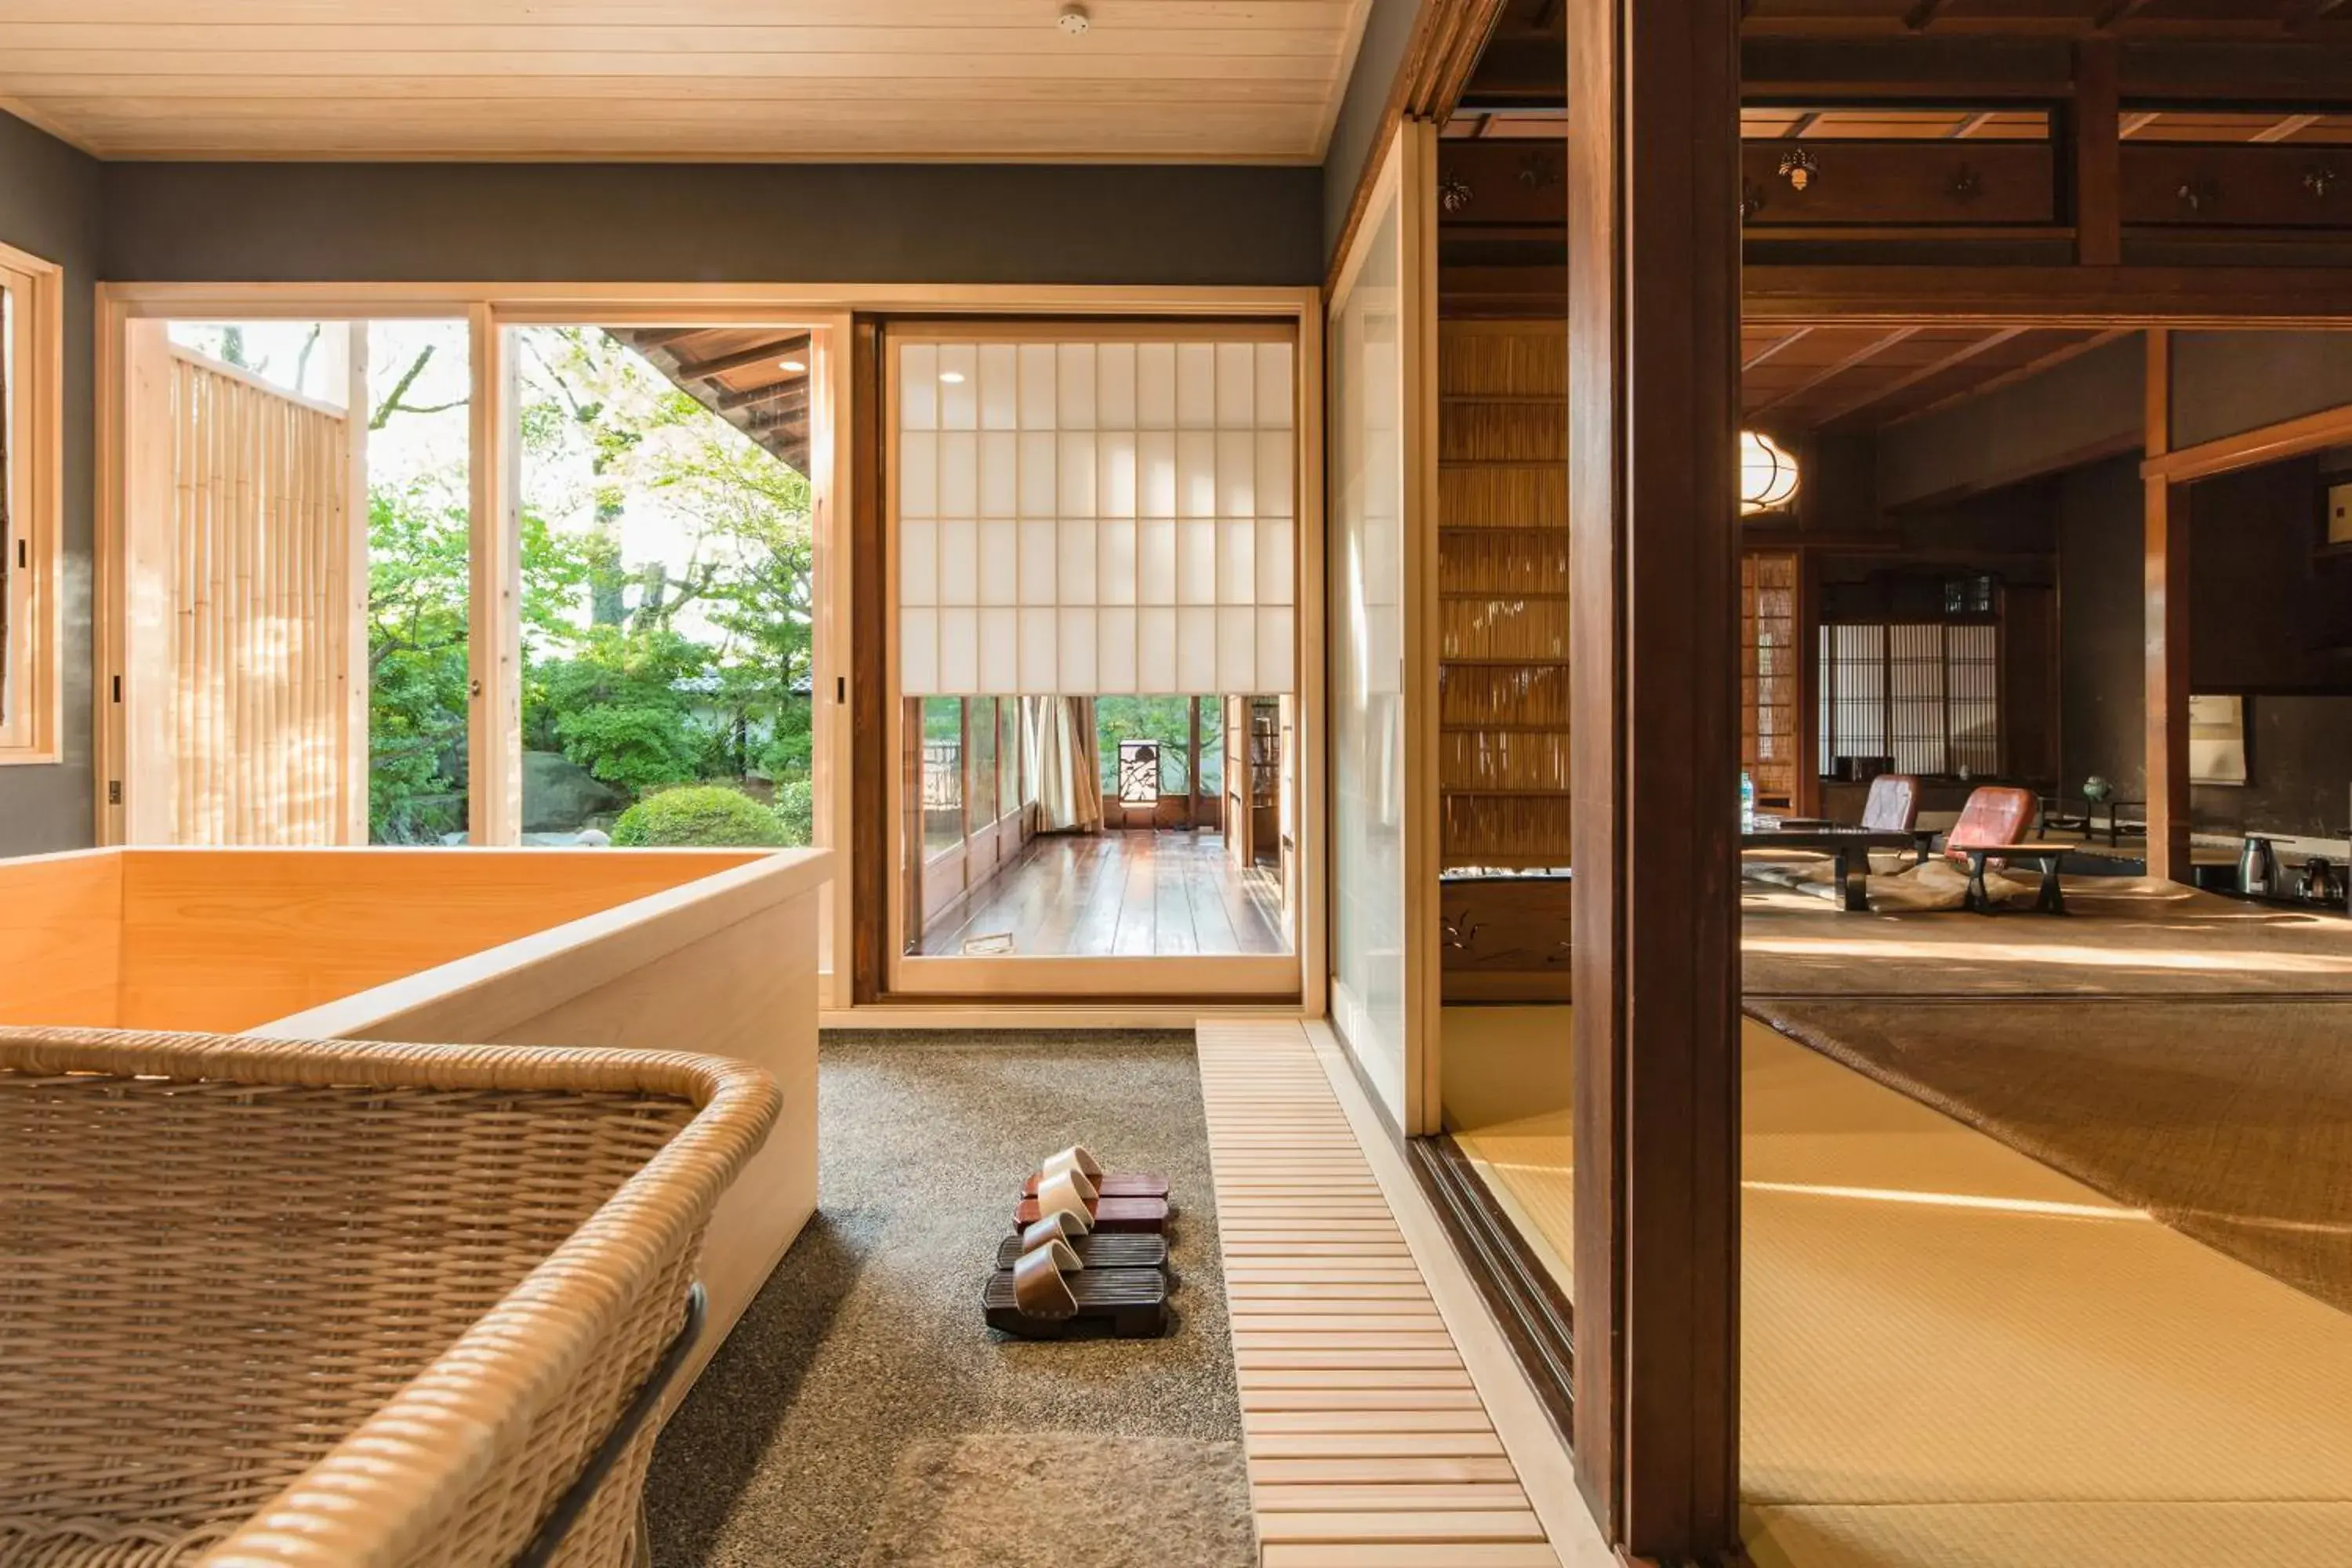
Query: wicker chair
[[325, 1302]]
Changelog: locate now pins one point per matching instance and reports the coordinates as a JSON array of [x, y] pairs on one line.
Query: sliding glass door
[[1094, 561], [1381, 583]]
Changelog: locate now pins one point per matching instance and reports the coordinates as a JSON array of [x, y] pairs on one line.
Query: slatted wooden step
[[1369, 1446]]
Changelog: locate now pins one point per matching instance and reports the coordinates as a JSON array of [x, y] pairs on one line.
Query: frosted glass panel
[[1236, 649], [959, 650], [1000, 650], [1155, 650], [959, 474], [1037, 407], [1236, 386], [1196, 473], [1040, 644], [1196, 650], [1040, 563], [1156, 473], [1077, 499], [1275, 389], [1155, 386], [959, 394], [918, 387], [1115, 474], [999, 564], [919, 474], [1275, 566], [1236, 473], [1075, 370], [1196, 564], [959, 581], [1115, 650], [1196, 386], [999, 385], [919, 650], [1274, 649], [1077, 652], [1277, 490], [1115, 565], [998, 450], [1040, 472], [1076, 567], [1115, 387], [1236, 569], [1364, 570], [1155, 565], [918, 563], [1048, 492]]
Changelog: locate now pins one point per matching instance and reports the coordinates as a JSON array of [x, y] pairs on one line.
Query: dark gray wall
[[49, 206], [2223, 383], [874, 223], [2250, 631], [2086, 407], [2103, 684], [1388, 28], [2298, 771]]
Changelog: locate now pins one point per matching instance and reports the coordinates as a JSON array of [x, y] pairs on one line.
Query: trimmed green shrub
[[795, 810], [699, 815]]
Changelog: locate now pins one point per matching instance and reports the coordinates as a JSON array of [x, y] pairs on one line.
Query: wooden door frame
[[1025, 986]]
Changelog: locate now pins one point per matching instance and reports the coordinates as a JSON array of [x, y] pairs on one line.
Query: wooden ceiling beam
[[782, 393], [1830, 372], [1922, 15], [661, 337], [2078, 340], [2117, 13], [1949, 362], [2302, 13], [774, 349], [1776, 346], [2286, 127]]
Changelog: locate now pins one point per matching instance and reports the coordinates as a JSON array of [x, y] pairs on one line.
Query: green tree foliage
[[693, 665], [699, 815]]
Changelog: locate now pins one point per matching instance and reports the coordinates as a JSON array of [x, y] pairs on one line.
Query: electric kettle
[[2258, 869]]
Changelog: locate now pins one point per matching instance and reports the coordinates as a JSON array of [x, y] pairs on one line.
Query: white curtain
[[1061, 735]]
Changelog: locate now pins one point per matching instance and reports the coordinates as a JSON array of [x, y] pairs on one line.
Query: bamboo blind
[[260, 534], [1768, 673], [1503, 593]]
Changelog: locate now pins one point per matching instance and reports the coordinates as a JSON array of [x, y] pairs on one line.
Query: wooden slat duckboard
[[1368, 1445]]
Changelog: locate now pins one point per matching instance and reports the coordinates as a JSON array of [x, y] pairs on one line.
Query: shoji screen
[[1096, 516]]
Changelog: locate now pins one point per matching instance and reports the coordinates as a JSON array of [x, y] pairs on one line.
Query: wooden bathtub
[[696, 949]]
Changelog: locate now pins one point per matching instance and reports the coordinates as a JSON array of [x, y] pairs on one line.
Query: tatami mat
[[1368, 1443], [1956, 1357]]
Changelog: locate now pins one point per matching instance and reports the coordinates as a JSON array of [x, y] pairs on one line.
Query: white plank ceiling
[[1180, 80]]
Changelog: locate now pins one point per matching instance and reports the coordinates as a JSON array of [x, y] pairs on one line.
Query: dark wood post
[[1653, 316], [2166, 566], [2095, 131]]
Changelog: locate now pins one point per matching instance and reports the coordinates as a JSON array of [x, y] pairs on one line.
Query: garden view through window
[[664, 522]]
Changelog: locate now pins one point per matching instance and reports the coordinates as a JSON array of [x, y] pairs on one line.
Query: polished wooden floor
[[1117, 894]]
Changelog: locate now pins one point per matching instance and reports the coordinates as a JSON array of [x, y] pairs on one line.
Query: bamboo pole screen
[[259, 561], [1503, 593]]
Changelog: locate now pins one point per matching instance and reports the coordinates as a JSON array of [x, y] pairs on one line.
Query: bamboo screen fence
[[261, 552], [1503, 593]]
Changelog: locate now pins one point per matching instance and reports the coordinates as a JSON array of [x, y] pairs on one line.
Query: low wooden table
[[1850, 846], [2052, 900]]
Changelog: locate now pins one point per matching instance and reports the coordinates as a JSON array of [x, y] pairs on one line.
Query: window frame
[[30, 720]]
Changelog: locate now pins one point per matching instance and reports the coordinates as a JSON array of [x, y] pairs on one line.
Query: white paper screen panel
[[1096, 518]]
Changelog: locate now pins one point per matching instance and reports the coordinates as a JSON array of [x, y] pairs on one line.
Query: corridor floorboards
[[1128, 893]]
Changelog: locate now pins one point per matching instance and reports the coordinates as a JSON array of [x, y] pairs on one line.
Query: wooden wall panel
[[259, 549]]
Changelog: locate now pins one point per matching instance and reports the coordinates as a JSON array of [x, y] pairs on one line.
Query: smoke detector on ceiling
[[1073, 20]]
